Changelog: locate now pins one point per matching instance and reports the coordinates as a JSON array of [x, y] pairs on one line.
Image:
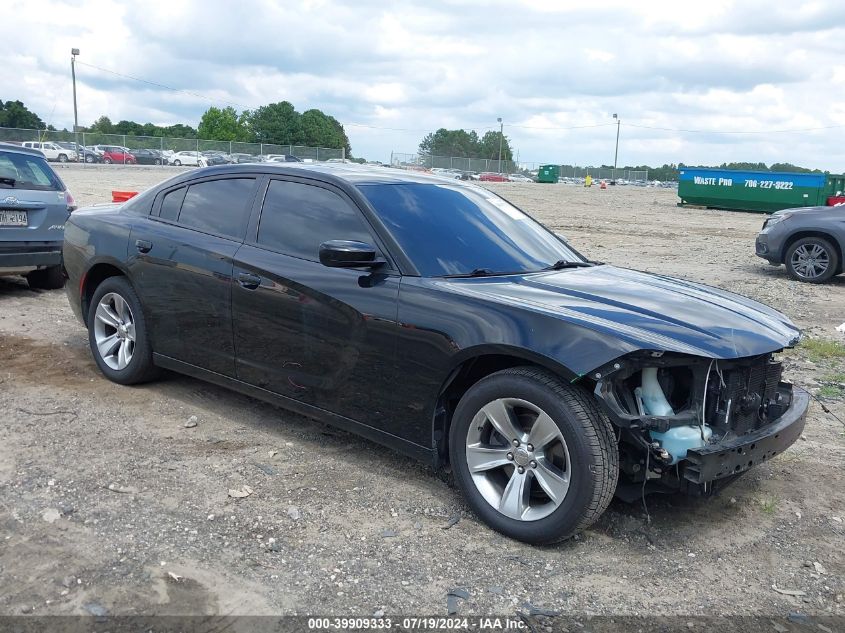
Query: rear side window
[[297, 218], [172, 203], [218, 206], [22, 171]]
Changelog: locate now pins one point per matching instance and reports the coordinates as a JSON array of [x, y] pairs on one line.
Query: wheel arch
[[471, 366], [93, 277], [788, 242]]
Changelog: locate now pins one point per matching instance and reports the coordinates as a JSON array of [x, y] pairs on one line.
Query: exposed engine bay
[[686, 423]]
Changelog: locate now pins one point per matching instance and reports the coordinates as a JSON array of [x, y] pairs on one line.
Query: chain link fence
[[166, 144], [478, 165]]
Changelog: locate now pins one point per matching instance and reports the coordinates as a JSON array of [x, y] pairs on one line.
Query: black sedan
[[148, 156], [809, 241], [438, 319]]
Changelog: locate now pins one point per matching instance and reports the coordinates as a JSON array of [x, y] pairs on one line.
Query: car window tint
[[455, 229], [218, 206], [297, 218], [172, 203]]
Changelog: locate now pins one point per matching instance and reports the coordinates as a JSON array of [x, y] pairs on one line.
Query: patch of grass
[[838, 378], [820, 349], [768, 504], [831, 391]]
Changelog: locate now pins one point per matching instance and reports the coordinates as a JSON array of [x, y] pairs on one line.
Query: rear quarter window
[[27, 172]]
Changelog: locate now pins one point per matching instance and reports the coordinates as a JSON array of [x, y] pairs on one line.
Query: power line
[[687, 131], [159, 85]]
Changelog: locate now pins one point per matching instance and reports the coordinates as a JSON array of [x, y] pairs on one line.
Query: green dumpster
[[548, 173]]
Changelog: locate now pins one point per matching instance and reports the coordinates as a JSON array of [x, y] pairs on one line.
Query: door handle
[[143, 246], [249, 281]]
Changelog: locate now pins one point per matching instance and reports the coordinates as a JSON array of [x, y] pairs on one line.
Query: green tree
[[16, 114], [275, 123], [445, 142], [102, 125], [321, 130], [489, 146], [222, 125]]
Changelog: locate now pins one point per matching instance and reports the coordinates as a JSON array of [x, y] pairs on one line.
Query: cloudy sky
[[697, 82]]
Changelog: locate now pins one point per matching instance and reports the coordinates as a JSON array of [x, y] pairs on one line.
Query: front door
[[323, 336]]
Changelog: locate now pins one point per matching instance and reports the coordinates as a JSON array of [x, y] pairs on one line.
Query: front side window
[[455, 230], [297, 218], [218, 206]]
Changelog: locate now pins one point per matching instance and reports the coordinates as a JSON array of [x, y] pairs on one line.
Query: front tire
[[811, 259], [534, 456], [107, 161], [50, 278], [89, 159], [177, 163], [117, 333], [62, 158]]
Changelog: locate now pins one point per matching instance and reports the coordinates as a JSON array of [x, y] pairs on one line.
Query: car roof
[[338, 173], [20, 149]]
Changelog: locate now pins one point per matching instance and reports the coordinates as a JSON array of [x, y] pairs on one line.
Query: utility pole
[[73, 53], [501, 138], [616, 154]]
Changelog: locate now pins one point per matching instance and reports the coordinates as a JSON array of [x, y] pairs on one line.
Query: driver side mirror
[[348, 254]]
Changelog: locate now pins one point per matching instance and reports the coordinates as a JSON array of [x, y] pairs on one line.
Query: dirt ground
[[109, 503]]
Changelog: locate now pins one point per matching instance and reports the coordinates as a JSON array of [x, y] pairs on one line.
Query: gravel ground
[[112, 499]]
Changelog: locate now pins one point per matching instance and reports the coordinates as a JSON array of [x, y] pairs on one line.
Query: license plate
[[12, 218]]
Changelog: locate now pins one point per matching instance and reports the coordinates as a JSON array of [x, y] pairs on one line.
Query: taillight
[[71, 203]]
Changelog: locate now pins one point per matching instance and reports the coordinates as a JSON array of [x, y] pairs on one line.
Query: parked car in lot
[[239, 157], [188, 158], [519, 178], [457, 174], [282, 158], [52, 151], [34, 206], [148, 156], [82, 152], [491, 176], [809, 241], [213, 158], [440, 320], [115, 154]]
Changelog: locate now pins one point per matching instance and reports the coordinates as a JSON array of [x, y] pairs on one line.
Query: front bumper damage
[[737, 455], [748, 413]]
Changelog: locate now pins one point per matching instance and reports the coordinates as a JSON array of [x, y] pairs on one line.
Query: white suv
[[191, 159], [52, 151]]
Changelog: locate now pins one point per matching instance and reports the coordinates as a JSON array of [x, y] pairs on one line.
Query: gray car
[[34, 205], [809, 241]]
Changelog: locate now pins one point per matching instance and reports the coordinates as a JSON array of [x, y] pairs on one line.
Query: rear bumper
[[741, 453], [30, 254]]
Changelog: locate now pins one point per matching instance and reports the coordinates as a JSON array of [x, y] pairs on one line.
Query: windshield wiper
[[562, 263], [5, 180], [478, 272]]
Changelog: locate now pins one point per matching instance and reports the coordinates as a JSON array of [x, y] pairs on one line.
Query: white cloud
[[714, 65]]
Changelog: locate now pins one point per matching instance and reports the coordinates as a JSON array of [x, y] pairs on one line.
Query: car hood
[[644, 310]]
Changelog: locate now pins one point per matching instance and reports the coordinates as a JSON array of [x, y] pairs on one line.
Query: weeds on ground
[[820, 349], [831, 391], [768, 504]]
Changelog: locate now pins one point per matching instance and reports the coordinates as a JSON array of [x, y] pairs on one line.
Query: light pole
[[501, 138], [73, 53], [616, 154]]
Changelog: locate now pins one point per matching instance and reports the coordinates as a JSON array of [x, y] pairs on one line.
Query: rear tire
[[811, 259], [566, 451], [51, 278], [116, 319], [177, 163]]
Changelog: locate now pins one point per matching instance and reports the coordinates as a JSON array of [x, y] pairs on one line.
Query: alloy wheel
[[518, 459], [114, 331], [810, 260]]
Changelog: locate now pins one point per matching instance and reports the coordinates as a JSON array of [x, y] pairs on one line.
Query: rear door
[[323, 336], [180, 260]]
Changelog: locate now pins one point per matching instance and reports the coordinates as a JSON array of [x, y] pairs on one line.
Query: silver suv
[[34, 205]]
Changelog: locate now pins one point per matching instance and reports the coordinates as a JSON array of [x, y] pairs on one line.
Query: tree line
[[277, 123], [463, 144]]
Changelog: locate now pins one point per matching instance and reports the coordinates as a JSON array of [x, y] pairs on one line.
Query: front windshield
[[456, 230]]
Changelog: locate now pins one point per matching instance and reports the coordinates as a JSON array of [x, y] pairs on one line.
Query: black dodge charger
[[437, 318]]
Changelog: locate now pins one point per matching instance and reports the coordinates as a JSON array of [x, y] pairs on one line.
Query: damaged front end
[[694, 424]]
